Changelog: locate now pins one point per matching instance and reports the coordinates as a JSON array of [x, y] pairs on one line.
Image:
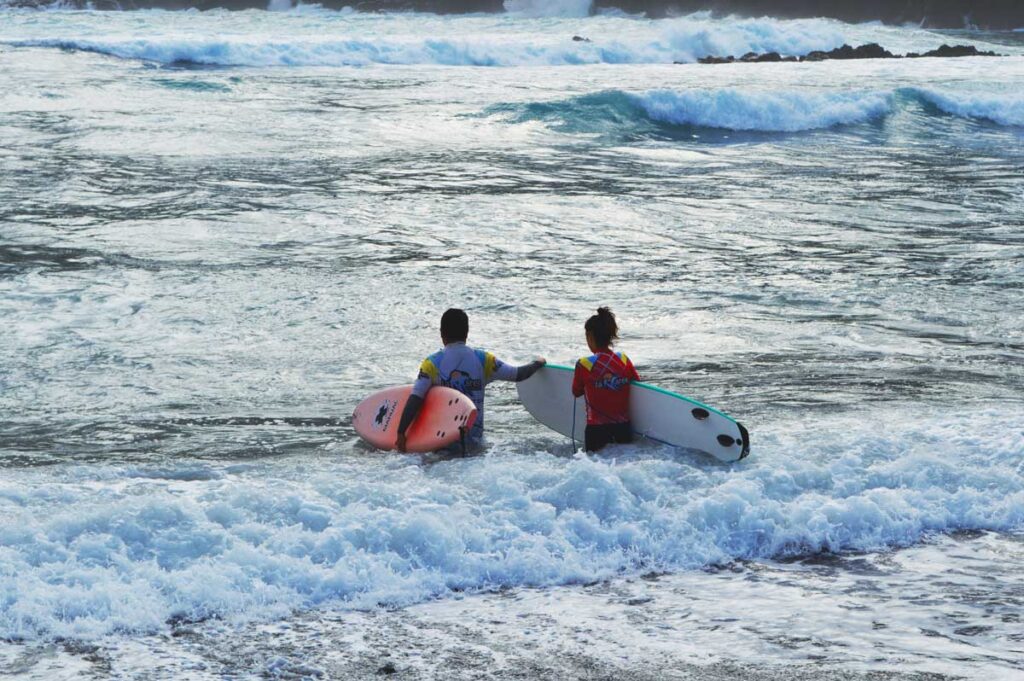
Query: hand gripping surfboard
[[444, 411], [656, 414]]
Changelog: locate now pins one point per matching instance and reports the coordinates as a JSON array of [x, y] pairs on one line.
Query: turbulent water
[[218, 231]]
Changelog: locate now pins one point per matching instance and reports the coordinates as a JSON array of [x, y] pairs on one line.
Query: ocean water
[[220, 230]]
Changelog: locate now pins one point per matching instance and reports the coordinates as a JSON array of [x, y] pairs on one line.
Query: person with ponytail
[[604, 378]]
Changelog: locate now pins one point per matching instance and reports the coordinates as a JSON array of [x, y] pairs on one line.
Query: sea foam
[[102, 549], [508, 43], [766, 111], [618, 112], [1003, 108], [549, 8]]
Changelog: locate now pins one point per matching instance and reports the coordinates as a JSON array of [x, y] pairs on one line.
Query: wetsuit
[[604, 378], [467, 370]]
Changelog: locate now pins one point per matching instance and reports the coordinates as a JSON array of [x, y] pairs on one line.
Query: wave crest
[[763, 111], [1004, 108], [677, 40], [655, 112]]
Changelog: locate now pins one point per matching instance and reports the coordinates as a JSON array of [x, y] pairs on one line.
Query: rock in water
[[713, 60], [958, 51], [815, 55], [868, 51]]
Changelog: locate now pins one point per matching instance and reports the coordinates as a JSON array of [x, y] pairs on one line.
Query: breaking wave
[[658, 111], [103, 549], [765, 111], [678, 40], [1002, 108]]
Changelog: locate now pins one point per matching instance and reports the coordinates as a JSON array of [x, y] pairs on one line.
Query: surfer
[[465, 369], [604, 378]]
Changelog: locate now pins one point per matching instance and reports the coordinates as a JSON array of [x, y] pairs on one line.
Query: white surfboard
[[656, 414]]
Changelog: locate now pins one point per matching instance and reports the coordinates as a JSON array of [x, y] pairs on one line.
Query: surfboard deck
[[657, 414], [444, 411]]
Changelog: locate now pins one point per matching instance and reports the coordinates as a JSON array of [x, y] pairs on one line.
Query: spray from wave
[[552, 8]]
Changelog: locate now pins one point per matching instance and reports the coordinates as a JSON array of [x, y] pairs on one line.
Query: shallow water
[[212, 248]]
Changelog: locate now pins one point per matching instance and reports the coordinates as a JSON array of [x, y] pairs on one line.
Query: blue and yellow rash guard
[[467, 370]]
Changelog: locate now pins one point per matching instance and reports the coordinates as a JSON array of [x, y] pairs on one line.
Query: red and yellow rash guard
[[604, 378]]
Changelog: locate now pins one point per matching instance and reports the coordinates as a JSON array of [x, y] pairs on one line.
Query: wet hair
[[454, 325], [603, 328]]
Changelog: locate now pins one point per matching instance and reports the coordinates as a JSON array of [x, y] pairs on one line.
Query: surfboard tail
[[746, 441]]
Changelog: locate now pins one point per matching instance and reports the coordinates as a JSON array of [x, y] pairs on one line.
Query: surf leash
[[572, 433]]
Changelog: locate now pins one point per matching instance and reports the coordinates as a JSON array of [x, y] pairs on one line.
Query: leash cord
[[572, 433]]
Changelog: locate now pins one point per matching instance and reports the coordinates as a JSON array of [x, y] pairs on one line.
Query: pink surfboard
[[437, 426]]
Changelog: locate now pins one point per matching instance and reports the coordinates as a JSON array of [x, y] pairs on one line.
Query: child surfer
[[604, 378], [458, 366]]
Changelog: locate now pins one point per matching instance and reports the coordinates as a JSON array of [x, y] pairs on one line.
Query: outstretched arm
[[496, 370], [527, 370]]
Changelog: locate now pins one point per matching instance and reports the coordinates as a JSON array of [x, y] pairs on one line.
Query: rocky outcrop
[[955, 51], [869, 51]]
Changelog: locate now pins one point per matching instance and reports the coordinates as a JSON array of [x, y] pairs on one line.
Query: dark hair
[[454, 325], [603, 327]]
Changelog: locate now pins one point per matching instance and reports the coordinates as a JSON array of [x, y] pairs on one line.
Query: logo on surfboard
[[384, 415]]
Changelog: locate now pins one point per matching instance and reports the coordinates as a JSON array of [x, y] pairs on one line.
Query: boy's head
[[454, 326]]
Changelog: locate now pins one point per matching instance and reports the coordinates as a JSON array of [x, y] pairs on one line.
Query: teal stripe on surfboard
[[648, 386]]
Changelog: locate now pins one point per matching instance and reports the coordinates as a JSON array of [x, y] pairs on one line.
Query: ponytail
[[603, 328]]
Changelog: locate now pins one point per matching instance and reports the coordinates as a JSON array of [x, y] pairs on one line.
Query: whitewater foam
[[549, 8], [752, 110], [106, 549], [698, 36], [765, 111], [1003, 108], [611, 41]]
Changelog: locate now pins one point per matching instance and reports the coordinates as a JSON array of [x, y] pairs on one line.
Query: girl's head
[[602, 330]]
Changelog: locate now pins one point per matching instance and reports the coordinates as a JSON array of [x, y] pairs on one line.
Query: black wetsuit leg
[[596, 437]]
